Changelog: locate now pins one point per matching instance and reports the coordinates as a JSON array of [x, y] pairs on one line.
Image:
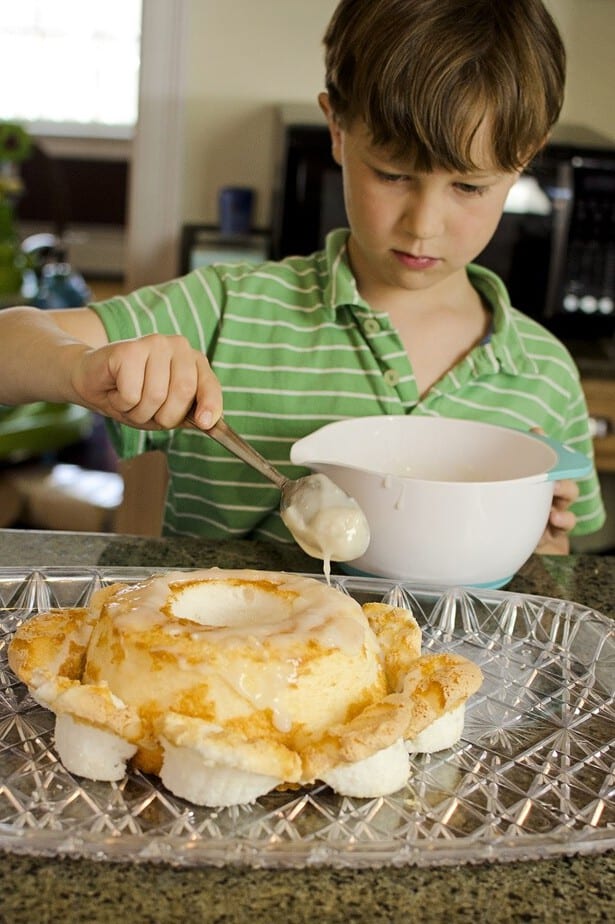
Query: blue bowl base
[[488, 585]]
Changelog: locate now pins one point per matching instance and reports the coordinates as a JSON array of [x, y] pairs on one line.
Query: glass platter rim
[[230, 851]]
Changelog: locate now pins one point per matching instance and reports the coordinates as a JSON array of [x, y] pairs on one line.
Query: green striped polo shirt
[[295, 347]]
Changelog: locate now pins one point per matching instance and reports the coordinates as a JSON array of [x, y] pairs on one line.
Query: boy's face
[[410, 230]]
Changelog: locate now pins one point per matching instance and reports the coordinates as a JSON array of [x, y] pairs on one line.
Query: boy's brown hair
[[424, 74]]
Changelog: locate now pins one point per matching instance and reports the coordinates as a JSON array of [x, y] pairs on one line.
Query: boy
[[434, 107]]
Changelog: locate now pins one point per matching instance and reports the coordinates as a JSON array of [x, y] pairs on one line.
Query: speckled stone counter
[[42, 890]]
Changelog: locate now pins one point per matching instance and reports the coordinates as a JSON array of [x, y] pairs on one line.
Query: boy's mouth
[[412, 261]]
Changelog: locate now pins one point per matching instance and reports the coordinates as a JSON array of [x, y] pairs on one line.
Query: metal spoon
[[231, 440], [302, 500]]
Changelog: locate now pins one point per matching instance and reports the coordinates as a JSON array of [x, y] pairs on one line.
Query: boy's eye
[[391, 177], [469, 189]]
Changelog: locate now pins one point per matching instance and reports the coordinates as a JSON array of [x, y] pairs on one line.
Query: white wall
[[588, 29], [246, 55]]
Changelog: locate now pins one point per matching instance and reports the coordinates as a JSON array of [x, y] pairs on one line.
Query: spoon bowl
[[325, 521]]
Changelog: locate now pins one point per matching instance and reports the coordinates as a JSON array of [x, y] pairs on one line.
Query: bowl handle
[[569, 463]]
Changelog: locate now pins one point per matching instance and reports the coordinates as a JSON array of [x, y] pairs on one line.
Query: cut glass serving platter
[[533, 775]]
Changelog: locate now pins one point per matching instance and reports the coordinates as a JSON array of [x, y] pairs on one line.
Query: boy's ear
[[333, 125]]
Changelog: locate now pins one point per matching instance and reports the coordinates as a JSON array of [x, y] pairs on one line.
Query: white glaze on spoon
[[325, 521]]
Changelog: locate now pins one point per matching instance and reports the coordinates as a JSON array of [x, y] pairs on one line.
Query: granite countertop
[[41, 889]]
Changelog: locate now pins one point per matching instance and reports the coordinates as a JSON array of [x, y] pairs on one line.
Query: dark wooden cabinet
[[600, 394]]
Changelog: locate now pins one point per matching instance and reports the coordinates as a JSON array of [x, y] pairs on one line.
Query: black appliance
[[555, 244]]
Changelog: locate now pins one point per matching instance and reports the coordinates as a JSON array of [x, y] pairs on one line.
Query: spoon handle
[[231, 440]]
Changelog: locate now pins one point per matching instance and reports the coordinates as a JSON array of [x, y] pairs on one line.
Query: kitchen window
[[72, 67]]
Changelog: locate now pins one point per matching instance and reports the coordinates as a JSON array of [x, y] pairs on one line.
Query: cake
[[228, 684]]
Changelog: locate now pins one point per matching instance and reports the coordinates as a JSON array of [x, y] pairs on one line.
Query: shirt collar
[[505, 346], [504, 349], [341, 288]]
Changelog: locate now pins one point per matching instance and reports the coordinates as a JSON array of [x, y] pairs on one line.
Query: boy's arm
[[64, 356], [38, 352]]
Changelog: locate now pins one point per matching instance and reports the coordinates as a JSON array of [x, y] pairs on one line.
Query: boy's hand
[[149, 383], [555, 539]]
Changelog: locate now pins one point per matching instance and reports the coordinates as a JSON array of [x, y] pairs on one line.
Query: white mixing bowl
[[452, 502]]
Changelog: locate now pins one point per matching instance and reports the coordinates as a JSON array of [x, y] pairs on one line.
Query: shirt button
[[391, 377], [371, 326]]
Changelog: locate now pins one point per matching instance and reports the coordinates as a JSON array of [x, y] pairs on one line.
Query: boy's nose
[[423, 217]]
